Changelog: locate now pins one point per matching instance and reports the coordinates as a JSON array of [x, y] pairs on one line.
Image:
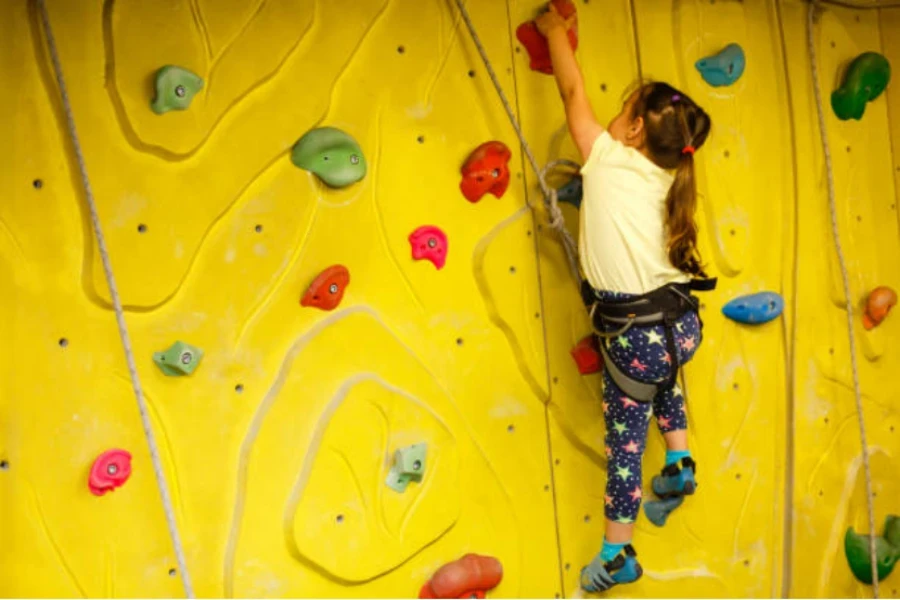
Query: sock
[[673, 456], [610, 550]]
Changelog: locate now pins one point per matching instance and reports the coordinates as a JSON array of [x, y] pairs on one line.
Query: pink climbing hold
[[110, 470], [430, 243]]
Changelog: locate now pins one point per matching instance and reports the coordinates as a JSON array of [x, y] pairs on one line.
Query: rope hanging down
[[117, 305], [555, 216], [870, 503]]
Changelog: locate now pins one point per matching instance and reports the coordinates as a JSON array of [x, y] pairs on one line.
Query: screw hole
[[833, 44], [172, 572], [831, 351], [4, 465], [826, 420], [733, 232], [737, 475], [63, 342], [529, 233], [848, 148], [339, 518], [401, 49], [421, 139], [727, 154], [587, 518], [537, 315], [746, 562], [511, 428], [735, 386], [568, 566], [518, 49], [258, 228], [512, 269], [471, 73], [239, 388], [821, 493], [459, 341], [142, 228], [546, 487], [556, 380], [556, 462], [602, 87], [38, 184]]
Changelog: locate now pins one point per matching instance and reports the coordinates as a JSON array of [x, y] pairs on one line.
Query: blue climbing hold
[[571, 192], [723, 68], [754, 309]]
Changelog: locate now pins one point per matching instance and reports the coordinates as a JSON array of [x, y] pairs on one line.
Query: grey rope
[[117, 305], [555, 216], [846, 281]]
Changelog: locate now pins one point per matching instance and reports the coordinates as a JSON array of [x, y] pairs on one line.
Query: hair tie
[[676, 98], [688, 150]]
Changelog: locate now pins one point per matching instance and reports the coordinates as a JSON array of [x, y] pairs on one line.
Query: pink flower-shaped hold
[[110, 470], [430, 243]]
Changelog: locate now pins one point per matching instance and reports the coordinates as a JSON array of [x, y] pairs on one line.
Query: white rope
[[555, 216], [117, 305], [870, 503]]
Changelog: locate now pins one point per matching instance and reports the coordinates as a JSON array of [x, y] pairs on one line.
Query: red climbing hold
[[486, 170], [536, 44], [430, 243], [469, 577], [110, 470], [327, 290], [587, 355], [881, 300]]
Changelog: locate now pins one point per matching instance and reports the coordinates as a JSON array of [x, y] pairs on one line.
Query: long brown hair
[[674, 128]]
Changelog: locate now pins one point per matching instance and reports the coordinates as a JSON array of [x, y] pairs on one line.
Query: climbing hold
[[409, 465], [486, 170], [571, 192], [332, 155], [754, 309], [109, 471], [723, 68], [887, 551], [327, 290], [536, 44], [881, 300], [179, 359], [587, 355], [468, 577], [866, 78], [175, 88], [430, 243], [658, 511]]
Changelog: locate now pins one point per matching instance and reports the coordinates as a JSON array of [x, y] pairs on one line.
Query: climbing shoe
[[676, 479], [599, 576]]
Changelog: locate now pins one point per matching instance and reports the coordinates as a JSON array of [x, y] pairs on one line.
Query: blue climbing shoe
[[599, 576], [676, 481]]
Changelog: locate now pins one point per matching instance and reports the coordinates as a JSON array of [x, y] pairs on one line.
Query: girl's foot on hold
[[676, 479], [601, 575]]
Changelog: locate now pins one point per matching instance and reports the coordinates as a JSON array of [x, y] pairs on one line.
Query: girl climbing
[[639, 259]]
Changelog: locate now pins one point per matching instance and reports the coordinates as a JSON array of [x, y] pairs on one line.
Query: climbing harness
[[845, 278], [551, 202], [117, 306], [662, 306]]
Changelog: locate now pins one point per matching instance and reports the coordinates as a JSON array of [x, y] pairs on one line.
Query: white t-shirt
[[622, 236]]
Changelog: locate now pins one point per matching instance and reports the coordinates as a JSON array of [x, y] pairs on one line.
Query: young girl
[[638, 249]]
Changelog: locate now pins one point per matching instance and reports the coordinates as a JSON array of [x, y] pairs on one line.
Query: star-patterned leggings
[[641, 354]]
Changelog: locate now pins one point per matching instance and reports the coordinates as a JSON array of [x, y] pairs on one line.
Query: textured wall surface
[[277, 447]]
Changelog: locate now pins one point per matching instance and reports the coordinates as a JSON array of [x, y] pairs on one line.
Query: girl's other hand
[[551, 19]]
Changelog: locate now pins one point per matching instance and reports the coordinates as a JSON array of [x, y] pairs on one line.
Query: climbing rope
[[551, 202], [870, 503], [117, 305]]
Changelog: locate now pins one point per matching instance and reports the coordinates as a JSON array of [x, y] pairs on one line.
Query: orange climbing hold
[[486, 170], [110, 470], [327, 290], [536, 44], [881, 300], [471, 576], [587, 355]]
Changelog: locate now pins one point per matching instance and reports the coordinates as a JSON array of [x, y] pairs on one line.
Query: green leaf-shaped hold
[[175, 88], [866, 78], [332, 155], [856, 547], [179, 359]]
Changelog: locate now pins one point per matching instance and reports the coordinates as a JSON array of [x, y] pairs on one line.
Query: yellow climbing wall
[[277, 447]]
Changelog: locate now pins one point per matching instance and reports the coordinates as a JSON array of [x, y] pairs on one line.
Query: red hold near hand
[[536, 44]]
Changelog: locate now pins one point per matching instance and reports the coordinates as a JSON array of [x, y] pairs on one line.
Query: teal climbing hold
[[866, 78], [571, 192], [409, 465], [332, 155], [723, 68], [887, 551], [175, 88], [179, 359]]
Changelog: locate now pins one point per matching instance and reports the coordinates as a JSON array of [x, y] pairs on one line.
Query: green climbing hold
[[175, 88], [179, 359], [887, 551], [866, 78], [409, 465], [332, 155]]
